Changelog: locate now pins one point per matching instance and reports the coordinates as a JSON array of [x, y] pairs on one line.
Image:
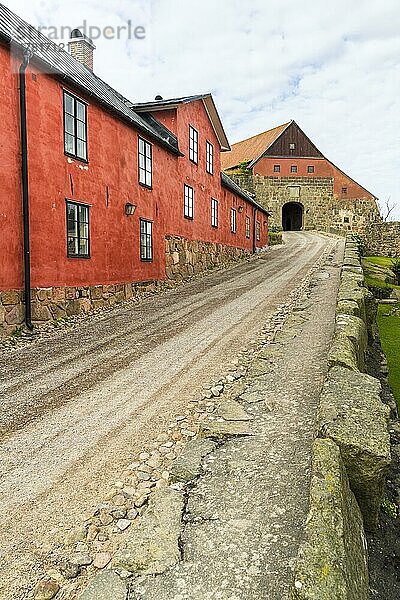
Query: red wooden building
[[97, 193]]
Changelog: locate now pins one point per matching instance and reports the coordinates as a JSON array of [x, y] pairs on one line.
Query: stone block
[[355, 330], [42, 294], [188, 464], [15, 316], [10, 297], [40, 312], [58, 294], [332, 561], [106, 585], [352, 414], [153, 545], [96, 292]]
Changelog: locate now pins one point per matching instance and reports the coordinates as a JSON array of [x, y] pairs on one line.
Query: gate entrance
[[292, 216]]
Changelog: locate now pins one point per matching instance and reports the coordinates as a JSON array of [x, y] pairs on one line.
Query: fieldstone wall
[[54, 303], [185, 258], [322, 211], [350, 457], [383, 239]]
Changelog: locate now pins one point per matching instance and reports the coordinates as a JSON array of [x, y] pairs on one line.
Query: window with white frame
[[233, 220], [145, 163], [247, 227], [146, 240], [188, 202], [209, 158], [75, 127], [193, 144], [258, 231], [77, 230], [214, 212]]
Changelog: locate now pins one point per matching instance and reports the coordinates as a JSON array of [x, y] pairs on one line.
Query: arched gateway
[[292, 216]]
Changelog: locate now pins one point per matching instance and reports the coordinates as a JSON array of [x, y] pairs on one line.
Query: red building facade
[[105, 211]]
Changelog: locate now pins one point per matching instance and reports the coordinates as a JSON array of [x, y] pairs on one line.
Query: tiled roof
[[252, 148], [233, 187], [15, 31]]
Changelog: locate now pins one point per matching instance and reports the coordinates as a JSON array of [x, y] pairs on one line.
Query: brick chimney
[[81, 47]]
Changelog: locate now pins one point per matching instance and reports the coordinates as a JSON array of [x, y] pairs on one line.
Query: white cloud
[[333, 67]]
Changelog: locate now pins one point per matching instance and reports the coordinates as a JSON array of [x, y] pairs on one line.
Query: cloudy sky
[[333, 66]]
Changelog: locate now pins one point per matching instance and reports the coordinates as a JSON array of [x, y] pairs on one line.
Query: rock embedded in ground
[[107, 585], [153, 545], [233, 411], [188, 465]]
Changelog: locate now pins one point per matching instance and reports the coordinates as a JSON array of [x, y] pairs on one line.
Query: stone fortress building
[[298, 185]]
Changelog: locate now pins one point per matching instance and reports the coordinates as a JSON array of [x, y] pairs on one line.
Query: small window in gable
[[310, 169], [277, 168], [293, 169], [344, 190]]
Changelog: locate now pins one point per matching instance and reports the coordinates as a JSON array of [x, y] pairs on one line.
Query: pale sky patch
[[332, 67]]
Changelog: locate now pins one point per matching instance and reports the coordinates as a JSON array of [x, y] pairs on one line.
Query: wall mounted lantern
[[129, 209]]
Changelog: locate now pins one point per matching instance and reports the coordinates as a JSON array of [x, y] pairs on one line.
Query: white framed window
[[188, 202], [78, 242], [75, 127], [193, 144], [209, 157], [247, 227], [233, 220], [214, 212], [146, 240], [145, 163], [258, 231]]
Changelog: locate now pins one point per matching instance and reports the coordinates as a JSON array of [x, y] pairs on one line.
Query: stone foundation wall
[[322, 211], [53, 303], [383, 239], [185, 258]]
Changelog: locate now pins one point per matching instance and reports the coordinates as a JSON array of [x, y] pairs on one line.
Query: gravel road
[[75, 406]]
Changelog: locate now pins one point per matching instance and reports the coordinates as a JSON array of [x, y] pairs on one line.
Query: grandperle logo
[[50, 37]]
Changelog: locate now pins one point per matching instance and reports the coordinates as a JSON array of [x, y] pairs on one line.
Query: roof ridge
[[264, 132]]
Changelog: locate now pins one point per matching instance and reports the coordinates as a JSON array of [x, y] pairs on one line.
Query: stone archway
[[292, 216]]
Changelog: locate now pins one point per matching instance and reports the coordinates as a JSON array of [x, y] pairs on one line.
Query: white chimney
[[81, 48]]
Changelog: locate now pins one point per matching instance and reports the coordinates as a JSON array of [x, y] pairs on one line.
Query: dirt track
[[75, 407]]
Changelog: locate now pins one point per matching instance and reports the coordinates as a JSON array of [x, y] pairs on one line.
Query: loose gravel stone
[[82, 560], [123, 524], [101, 559], [46, 590]]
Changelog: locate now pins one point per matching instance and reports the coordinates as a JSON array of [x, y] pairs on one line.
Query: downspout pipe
[[25, 189]]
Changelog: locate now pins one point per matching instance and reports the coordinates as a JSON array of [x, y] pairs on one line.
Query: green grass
[[389, 329], [381, 261]]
